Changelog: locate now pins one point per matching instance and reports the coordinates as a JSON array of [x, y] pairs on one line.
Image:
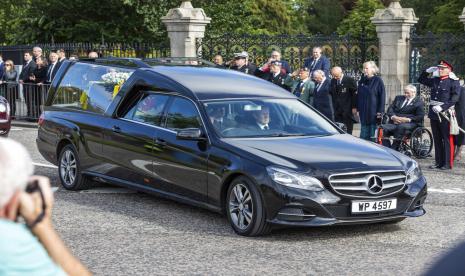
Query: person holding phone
[[31, 247]]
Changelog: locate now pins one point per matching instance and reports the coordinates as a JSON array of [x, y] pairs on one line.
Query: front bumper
[[301, 208]]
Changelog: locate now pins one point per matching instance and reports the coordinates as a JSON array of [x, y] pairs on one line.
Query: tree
[[324, 16], [445, 18], [358, 21]]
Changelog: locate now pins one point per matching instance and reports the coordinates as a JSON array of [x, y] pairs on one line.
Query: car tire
[[245, 209], [69, 170]]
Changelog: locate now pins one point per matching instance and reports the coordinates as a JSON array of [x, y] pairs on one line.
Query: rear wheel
[[69, 170], [421, 142], [245, 210]]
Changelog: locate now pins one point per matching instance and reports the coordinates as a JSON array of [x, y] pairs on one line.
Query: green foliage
[[324, 16], [445, 18], [358, 21], [424, 10]]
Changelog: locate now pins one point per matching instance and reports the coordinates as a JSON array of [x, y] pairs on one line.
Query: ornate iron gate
[[345, 51]]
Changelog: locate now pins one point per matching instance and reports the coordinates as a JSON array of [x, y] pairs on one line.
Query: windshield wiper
[[282, 134]]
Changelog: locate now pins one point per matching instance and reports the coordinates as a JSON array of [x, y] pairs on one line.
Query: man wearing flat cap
[[444, 94], [242, 64]]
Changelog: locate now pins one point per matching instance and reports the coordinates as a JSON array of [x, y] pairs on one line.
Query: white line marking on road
[[44, 165], [447, 191], [15, 128], [108, 191], [54, 189]]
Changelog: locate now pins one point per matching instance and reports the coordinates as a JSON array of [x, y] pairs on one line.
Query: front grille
[[356, 184]]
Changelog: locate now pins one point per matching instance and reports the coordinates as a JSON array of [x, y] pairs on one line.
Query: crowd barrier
[[26, 100]]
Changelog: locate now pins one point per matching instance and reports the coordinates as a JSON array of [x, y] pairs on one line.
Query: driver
[[262, 118]]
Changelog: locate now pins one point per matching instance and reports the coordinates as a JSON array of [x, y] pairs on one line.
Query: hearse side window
[[182, 114], [149, 109], [90, 87]]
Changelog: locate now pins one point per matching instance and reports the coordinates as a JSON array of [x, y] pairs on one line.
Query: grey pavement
[[118, 232]]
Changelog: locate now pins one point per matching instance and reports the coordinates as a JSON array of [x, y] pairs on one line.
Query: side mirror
[[341, 126], [194, 134]]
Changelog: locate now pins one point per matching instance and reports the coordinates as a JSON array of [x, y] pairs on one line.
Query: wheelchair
[[417, 142]]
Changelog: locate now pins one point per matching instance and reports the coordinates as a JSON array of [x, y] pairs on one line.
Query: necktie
[[405, 103], [318, 87], [49, 73], [313, 64]]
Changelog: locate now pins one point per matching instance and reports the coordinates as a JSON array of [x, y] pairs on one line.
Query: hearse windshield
[[266, 118]]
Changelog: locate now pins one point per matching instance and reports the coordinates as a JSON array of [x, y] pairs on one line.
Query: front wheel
[[245, 210], [69, 170]]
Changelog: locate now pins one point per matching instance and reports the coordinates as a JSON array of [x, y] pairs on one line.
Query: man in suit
[[317, 62], [344, 94], [52, 68], [36, 53], [405, 113], [61, 55], [322, 99], [217, 115], [301, 85], [28, 89], [261, 119]]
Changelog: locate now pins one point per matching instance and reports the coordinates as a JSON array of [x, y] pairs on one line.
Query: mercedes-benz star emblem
[[374, 184]]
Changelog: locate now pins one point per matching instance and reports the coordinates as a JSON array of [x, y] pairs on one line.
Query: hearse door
[[182, 163], [129, 143]]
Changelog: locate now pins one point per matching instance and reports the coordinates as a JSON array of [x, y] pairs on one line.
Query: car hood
[[341, 152]]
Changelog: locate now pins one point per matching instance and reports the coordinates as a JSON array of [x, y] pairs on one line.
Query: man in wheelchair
[[403, 116]]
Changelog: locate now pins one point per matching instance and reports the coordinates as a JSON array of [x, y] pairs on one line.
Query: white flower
[[116, 77]]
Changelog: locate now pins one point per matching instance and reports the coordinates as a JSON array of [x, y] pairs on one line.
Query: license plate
[[374, 206]]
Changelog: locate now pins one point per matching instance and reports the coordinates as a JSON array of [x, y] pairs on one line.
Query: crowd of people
[[37, 70], [342, 99]]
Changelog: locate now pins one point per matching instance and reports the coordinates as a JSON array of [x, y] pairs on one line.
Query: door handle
[[116, 129], [160, 142]]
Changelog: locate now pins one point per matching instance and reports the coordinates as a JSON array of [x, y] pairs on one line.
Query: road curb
[[24, 124]]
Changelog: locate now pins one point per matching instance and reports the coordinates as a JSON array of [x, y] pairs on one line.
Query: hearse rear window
[[90, 87]]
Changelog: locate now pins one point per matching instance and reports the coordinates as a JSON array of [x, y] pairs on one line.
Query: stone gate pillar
[[393, 26], [185, 24]]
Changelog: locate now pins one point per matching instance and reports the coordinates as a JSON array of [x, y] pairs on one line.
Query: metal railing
[[26, 100]]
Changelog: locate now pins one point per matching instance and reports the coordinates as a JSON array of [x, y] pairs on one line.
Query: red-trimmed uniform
[[444, 94]]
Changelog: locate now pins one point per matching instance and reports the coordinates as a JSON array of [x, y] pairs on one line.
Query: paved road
[[118, 232]]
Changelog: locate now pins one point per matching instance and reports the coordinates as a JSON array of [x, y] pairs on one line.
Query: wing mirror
[[194, 134]]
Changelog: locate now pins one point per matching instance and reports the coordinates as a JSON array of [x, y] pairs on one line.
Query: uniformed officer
[[444, 94], [242, 63], [275, 75]]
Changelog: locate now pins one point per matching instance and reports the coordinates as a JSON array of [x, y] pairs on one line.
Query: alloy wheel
[[241, 207], [68, 168]]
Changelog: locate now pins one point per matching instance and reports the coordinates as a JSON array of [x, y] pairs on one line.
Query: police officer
[[444, 94]]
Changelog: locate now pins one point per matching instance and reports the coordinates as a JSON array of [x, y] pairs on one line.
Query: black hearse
[[222, 140]]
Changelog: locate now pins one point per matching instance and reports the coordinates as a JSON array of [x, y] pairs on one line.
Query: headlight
[[294, 179], [413, 173], [2, 107]]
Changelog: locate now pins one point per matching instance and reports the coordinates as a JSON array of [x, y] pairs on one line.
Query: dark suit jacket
[[278, 80], [53, 72], [322, 99], [414, 110], [27, 71], [322, 64], [344, 95], [371, 97]]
